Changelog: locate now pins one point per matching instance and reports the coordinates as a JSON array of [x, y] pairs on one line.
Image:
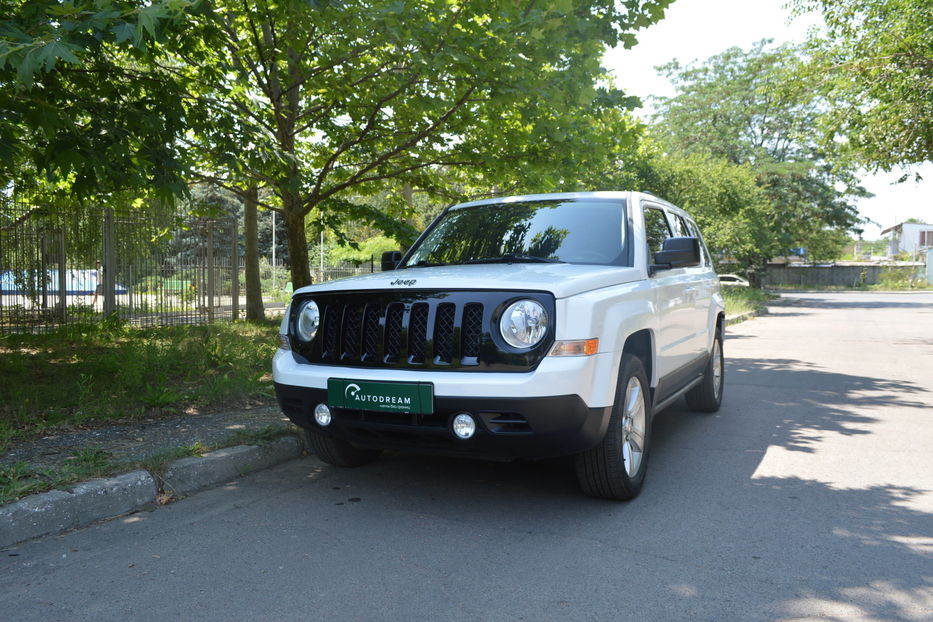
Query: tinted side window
[[656, 229]]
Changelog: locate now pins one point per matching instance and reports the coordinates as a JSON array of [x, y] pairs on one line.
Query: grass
[[745, 299], [88, 374], [20, 480]]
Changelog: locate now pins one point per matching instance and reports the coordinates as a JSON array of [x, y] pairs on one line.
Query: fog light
[[322, 415], [464, 426]]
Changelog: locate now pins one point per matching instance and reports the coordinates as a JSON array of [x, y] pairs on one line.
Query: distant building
[[909, 237]]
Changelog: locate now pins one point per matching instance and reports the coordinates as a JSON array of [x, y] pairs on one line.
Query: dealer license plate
[[398, 397]]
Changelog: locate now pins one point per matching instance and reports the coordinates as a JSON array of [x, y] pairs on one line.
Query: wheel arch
[[640, 344]]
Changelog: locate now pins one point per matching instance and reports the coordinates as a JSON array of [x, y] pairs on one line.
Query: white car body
[[678, 311]]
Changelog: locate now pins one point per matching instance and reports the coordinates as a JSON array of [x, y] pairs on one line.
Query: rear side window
[[695, 232], [680, 226], [656, 229]]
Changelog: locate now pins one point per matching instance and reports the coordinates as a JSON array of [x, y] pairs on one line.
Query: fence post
[[110, 302], [62, 281], [210, 271], [235, 282]]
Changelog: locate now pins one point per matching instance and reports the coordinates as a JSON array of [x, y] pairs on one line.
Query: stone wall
[[837, 275]]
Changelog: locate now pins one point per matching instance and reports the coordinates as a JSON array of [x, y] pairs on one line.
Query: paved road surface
[[810, 495]]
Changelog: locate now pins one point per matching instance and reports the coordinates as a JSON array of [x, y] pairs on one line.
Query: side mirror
[[677, 253], [390, 260]]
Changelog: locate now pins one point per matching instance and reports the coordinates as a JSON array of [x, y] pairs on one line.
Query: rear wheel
[[706, 397], [615, 469], [337, 452]]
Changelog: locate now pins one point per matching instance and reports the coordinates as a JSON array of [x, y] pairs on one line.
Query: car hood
[[562, 280]]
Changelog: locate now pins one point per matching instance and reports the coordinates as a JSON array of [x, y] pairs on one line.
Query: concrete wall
[[807, 276]]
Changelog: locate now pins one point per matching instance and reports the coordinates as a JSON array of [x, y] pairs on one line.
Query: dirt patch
[[138, 440]]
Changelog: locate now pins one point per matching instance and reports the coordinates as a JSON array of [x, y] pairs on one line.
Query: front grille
[[417, 332], [371, 332], [393, 332], [444, 333], [472, 332], [331, 323], [350, 336], [441, 331]]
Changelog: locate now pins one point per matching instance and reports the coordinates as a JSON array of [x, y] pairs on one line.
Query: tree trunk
[[254, 307], [297, 241]]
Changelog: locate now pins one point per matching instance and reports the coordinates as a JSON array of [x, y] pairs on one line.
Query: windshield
[[586, 231]]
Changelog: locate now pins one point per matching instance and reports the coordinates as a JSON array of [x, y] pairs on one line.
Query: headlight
[[309, 318], [524, 324]]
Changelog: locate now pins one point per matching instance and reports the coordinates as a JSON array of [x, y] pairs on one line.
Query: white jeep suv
[[526, 327]]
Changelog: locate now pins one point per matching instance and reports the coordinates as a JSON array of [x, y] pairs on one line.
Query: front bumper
[[507, 428], [593, 378]]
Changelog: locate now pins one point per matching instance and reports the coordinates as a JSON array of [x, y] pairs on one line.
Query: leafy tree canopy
[[370, 249], [82, 100], [753, 109], [325, 103], [875, 58]]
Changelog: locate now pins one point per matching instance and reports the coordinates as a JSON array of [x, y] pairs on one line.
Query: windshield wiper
[[514, 259]]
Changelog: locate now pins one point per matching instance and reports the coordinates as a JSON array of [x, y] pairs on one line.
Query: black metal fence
[[144, 266]]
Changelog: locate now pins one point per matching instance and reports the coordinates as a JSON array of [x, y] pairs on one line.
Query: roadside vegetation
[[20, 479], [745, 299], [88, 374]]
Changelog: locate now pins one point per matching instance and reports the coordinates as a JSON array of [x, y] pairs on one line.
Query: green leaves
[[54, 50], [83, 100], [323, 103], [875, 61], [749, 115]]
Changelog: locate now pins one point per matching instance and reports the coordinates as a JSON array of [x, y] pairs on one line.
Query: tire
[[336, 452], [615, 469], [706, 397]]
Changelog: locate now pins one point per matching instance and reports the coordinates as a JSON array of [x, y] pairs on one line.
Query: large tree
[[755, 109], [321, 102], [875, 58]]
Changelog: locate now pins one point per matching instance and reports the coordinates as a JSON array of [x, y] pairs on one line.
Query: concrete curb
[[57, 510], [188, 475], [741, 317]]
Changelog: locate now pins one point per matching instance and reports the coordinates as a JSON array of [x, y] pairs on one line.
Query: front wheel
[[706, 397], [615, 469], [336, 452]]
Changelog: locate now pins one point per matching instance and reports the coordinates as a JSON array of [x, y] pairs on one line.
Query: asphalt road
[[809, 495]]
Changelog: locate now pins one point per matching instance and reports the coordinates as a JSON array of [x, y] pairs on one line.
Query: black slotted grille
[[439, 331], [444, 332], [472, 330], [331, 320], [417, 332], [350, 336], [371, 333], [393, 332]]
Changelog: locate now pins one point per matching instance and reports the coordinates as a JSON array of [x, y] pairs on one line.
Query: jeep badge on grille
[[408, 282]]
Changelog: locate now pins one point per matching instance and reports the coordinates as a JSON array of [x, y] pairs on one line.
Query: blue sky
[[698, 29]]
